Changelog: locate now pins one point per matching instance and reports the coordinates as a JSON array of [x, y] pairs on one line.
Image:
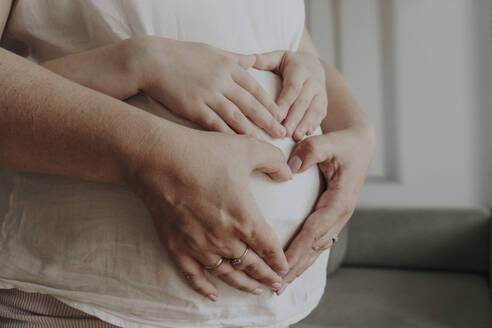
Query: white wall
[[421, 70]]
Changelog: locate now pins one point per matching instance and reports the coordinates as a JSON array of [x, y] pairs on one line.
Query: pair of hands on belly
[[213, 214]]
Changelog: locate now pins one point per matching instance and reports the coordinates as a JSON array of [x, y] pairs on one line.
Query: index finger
[[292, 84], [246, 81]]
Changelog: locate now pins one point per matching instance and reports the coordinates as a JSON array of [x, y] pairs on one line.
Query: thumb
[[309, 152], [270, 61], [270, 159]]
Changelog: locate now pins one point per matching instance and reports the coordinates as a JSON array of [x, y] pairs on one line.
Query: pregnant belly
[[94, 245], [284, 205]]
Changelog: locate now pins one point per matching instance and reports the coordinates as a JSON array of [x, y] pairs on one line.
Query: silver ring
[[210, 267], [237, 260]]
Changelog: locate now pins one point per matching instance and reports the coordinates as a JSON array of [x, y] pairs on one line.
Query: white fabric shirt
[[93, 245]]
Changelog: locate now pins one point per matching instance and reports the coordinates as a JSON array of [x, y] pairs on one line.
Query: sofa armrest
[[439, 239]]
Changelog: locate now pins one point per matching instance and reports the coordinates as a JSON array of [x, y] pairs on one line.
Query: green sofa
[[409, 268]]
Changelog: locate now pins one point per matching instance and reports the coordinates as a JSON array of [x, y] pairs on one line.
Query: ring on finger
[[237, 260], [216, 265]]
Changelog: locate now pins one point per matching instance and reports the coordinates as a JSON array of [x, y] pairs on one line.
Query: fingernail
[[276, 285], [294, 164], [257, 291], [298, 135], [281, 290], [212, 297], [282, 273]]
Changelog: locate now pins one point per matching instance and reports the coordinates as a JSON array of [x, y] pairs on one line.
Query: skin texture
[[67, 129], [302, 101], [209, 86], [46, 133]]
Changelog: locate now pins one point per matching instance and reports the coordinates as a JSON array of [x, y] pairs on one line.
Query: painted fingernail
[[212, 297], [282, 273], [281, 290], [276, 285], [294, 164], [257, 291]]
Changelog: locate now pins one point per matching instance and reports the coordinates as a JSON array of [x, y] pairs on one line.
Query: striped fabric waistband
[[19, 309]]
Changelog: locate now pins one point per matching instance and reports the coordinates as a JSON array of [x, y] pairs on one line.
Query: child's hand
[[302, 101], [206, 85], [344, 157]]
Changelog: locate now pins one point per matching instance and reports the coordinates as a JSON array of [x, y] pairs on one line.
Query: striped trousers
[[32, 310]]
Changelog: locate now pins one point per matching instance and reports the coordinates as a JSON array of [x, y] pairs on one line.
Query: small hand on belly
[[284, 205]]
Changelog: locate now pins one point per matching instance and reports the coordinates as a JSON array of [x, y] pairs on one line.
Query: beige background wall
[[421, 69]]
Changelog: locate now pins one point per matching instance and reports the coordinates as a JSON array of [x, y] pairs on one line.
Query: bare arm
[[4, 14], [343, 153], [52, 125], [49, 124], [204, 84], [343, 108]]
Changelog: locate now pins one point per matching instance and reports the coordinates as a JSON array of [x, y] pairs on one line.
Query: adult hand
[[302, 101], [343, 157], [200, 202], [205, 85]]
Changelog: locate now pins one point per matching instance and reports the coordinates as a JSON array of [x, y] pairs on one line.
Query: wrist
[[140, 58]]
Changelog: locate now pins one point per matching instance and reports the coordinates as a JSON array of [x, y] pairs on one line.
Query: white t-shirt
[[93, 245]]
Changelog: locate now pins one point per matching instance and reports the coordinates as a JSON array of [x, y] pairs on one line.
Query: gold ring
[[210, 267], [237, 260]]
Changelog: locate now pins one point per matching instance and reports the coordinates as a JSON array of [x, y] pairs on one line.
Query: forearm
[[51, 125], [343, 109], [111, 69]]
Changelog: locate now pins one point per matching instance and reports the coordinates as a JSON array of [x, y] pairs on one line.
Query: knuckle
[[244, 228], [301, 103], [253, 268], [294, 86], [309, 146], [317, 248], [214, 241], [253, 107], [209, 121], [257, 90], [268, 253], [224, 275], [191, 244], [236, 117], [244, 288], [227, 61], [171, 244]]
